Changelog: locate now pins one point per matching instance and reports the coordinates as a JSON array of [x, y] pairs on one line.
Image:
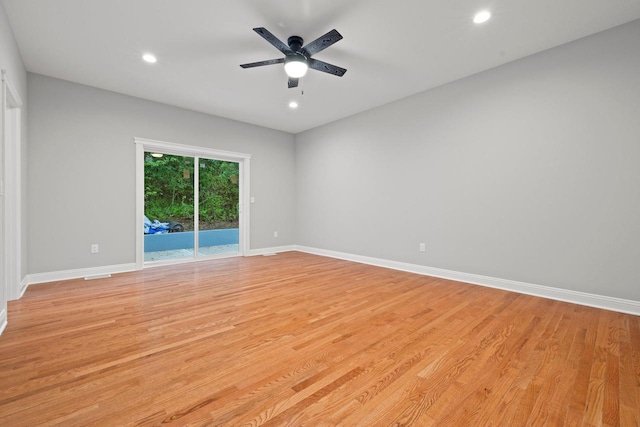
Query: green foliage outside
[[219, 191], [168, 191]]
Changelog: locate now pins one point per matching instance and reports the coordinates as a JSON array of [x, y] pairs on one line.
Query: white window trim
[[244, 160]]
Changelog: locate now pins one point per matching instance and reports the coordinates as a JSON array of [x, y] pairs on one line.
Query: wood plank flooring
[[297, 339]]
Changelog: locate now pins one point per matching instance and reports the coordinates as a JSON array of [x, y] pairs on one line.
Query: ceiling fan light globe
[[295, 67]]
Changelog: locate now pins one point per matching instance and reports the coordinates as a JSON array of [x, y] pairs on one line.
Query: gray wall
[[528, 172], [82, 171], [11, 61]]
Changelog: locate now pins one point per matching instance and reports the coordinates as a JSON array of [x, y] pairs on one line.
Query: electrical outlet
[[275, 234], [95, 248], [423, 247]]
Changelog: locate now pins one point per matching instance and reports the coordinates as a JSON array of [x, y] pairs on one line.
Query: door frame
[[11, 190], [244, 161]]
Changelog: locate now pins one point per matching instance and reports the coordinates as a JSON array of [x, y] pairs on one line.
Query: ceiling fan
[[297, 57]]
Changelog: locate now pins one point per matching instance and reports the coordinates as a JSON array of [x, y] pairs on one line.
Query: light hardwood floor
[[297, 339]]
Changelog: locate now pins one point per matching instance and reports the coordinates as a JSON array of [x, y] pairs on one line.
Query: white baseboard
[[79, 273], [24, 284], [272, 250], [22, 288], [55, 276], [3, 320], [575, 297]]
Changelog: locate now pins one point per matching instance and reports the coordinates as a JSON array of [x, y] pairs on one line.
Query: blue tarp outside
[[155, 227]]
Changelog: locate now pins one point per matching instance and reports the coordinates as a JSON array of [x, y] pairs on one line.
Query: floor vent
[[97, 276]]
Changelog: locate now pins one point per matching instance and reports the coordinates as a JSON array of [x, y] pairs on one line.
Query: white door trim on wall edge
[[575, 297], [11, 185], [55, 276], [3, 320]]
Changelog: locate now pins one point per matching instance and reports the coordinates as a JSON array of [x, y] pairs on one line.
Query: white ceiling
[[391, 48]]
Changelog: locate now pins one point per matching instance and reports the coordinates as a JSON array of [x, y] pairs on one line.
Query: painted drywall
[[82, 171], [11, 61], [527, 172]]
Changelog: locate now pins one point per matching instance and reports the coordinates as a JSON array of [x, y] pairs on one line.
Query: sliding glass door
[[191, 207], [218, 207], [168, 206]]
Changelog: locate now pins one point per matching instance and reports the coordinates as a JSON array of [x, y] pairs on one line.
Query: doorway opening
[[191, 203]]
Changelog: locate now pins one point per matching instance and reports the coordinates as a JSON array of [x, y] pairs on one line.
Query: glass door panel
[[218, 198], [168, 207]]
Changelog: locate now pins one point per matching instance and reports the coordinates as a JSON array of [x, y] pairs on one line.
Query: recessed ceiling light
[[157, 155], [293, 105], [482, 16], [151, 59]]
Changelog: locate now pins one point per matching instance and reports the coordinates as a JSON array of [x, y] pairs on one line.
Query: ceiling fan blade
[[273, 40], [261, 63], [293, 82], [326, 68], [322, 42]]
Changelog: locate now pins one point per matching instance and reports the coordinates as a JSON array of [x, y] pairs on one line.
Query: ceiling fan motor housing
[[295, 43]]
